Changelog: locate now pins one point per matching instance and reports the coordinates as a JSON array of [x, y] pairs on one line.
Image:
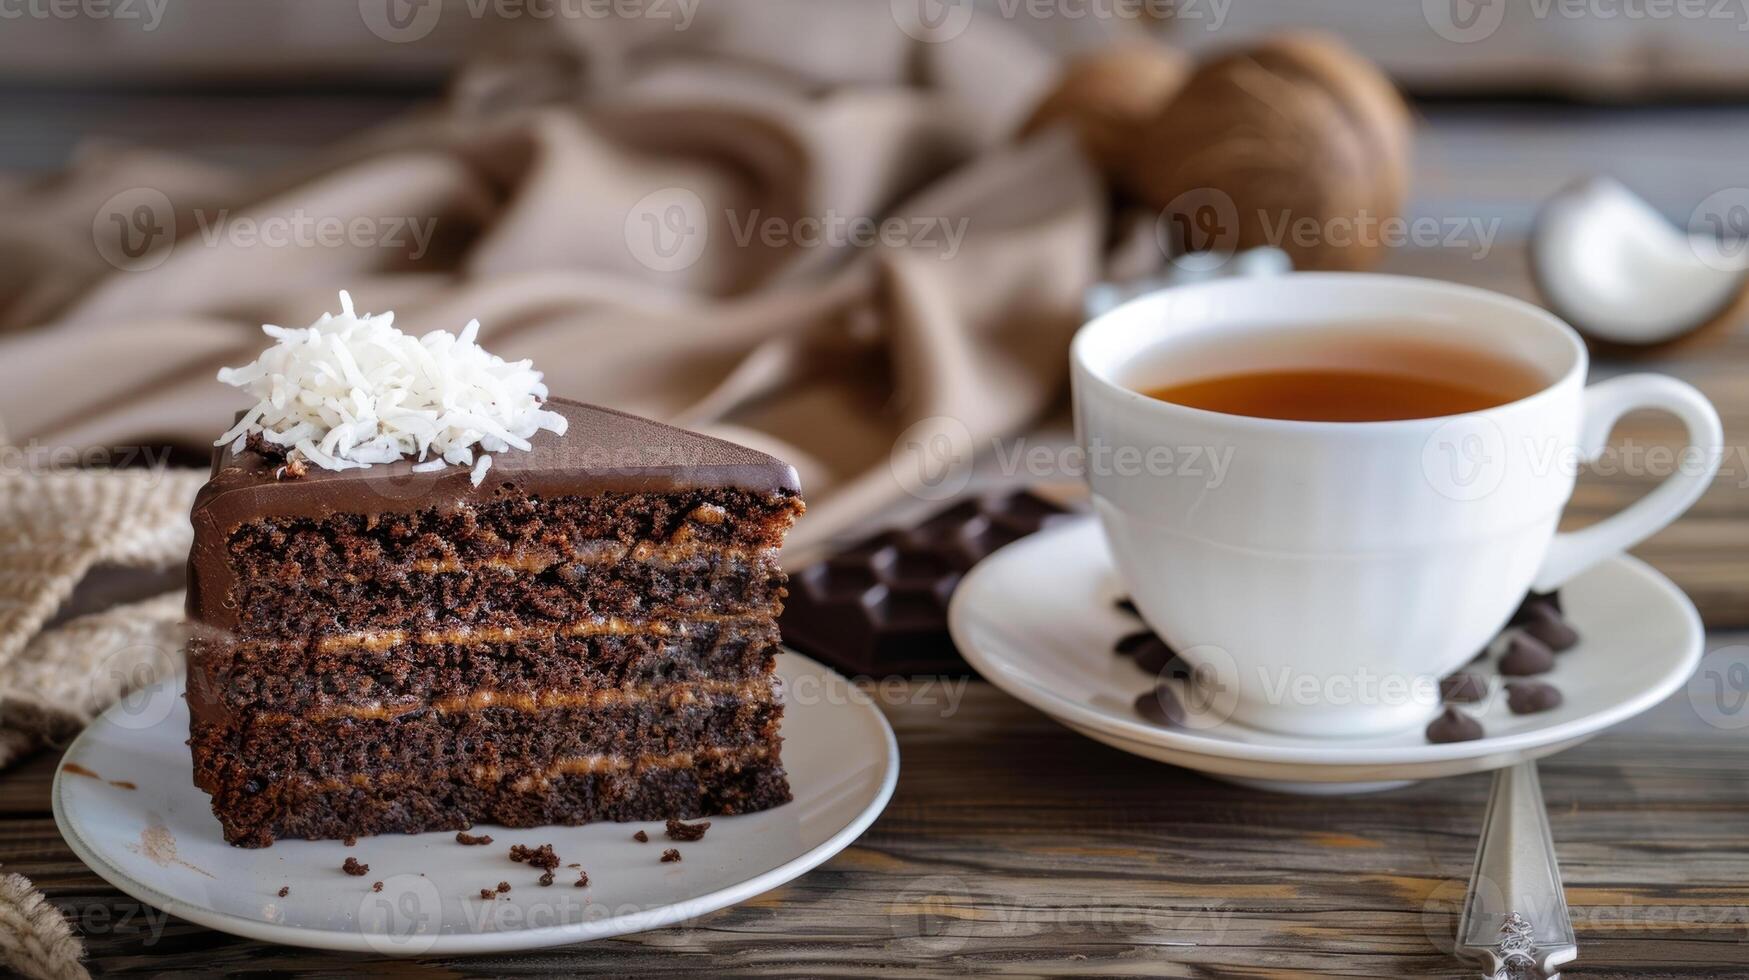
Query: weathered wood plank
[[1015, 846]]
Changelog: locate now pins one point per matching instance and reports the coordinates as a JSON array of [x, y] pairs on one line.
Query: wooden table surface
[[1014, 846]]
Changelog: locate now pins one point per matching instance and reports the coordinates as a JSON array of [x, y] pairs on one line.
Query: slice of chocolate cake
[[585, 630]]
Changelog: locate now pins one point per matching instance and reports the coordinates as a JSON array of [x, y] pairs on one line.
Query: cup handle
[[1573, 552]]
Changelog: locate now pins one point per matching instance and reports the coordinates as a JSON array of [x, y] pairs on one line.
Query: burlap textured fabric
[[55, 527]]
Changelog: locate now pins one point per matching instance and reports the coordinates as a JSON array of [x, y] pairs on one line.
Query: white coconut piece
[[1612, 266], [351, 390]]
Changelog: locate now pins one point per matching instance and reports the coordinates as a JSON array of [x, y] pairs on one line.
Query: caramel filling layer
[[595, 553], [376, 640], [582, 765], [675, 695]]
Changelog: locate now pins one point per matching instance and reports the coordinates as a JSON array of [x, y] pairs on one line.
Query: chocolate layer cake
[[589, 633]]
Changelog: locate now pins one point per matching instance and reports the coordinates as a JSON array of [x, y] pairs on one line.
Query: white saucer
[[1037, 619], [160, 843]]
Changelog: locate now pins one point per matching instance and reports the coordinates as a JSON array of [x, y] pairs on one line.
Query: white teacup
[[1321, 576]]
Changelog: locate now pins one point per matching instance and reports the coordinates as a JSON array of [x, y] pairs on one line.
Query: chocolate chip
[[352, 867], [582, 879], [1463, 688], [687, 831], [1530, 697], [283, 892], [1160, 706], [1155, 656], [670, 856], [1526, 656], [1126, 605], [1453, 726], [1131, 644], [1546, 624], [641, 837], [1535, 603]]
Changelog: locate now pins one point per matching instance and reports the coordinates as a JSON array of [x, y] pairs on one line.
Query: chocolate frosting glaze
[[603, 451]]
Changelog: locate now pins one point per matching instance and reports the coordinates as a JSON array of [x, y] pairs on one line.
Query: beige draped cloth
[[791, 225]]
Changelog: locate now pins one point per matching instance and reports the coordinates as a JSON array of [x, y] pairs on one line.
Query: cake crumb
[[284, 891], [687, 831], [488, 894], [573, 864], [350, 841], [641, 837], [503, 886], [376, 886], [546, 879], [541, 857], [670, 856], [463, 837], [353, 868], [582, 879]]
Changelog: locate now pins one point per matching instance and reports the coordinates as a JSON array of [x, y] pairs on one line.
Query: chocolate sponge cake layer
[[499, 753], [506, 741], [590, 633], [290, 809], [281, 602], [235, 679]]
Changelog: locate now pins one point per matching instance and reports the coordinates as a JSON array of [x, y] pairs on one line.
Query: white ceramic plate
[[159, 843], [1037, 619]]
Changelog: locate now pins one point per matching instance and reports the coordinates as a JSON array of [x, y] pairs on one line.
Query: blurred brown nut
[[1306, 143], [1108, 96]]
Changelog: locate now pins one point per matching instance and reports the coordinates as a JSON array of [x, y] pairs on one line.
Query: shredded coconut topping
[[351, 391]]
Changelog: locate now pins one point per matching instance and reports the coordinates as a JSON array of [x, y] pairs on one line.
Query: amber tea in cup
[[1363, 376]]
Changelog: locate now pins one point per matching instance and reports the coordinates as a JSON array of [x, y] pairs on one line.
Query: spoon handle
[[1515, 916]]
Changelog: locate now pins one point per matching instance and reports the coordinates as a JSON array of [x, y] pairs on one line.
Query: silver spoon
[[1515, 918]]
